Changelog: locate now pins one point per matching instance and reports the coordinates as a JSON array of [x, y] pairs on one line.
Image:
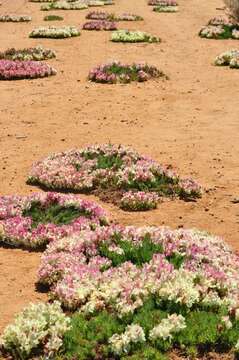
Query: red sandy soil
[[190, 121]]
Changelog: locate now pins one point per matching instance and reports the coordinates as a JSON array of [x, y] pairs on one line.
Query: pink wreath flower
[[18, 227]]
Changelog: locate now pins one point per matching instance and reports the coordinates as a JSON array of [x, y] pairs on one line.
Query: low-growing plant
[[31, 54], [64, 5], [123, 251], [100, 15], [162, 2], [100, 25], [129, 17], [32, 221], [116, 72], [150, 334], [17, 70], [15, 18], [132, 265], [39, 327], [86, 339], [133, 37], [228, 58], [53, 18], [218, 32], [110, 168], [139, 293], [139, 201], [220, 28], [165, 9], [55, 32]]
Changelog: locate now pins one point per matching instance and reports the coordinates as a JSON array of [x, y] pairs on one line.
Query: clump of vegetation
[[29, 54], [150, 334], [165, 9], [111, 169], [54, 32], [64, 5], [220, 28], [135, 292], [228, 58], [33, 221], [116, 72], [133, 37], [38, 329], [53, 18]]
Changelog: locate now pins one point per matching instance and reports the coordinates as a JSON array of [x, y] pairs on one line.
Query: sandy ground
[[190, 121]]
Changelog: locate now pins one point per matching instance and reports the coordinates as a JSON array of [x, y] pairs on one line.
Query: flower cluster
[[235, 33], [15, 18], [38, 326], [165, 9], [115, 72], [121, 344], [64, 5], [119, 268], [220, 28], [54, 32], [212, 32], [100, 25], [220, 20], [73, 5], [16, 70], [107, 167], [162, 2], [129, 17], [131, 286], [234, 63], [133, 36], [29, 54], [228, 58], [34, 220], [100, 15], [139, 201], [98, 2], [172, 324]]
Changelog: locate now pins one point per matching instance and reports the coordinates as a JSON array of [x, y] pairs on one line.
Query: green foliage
[[88, 338], [162, 185], [227, 34], [176, 260], [53, 18], [146, 353], [119, 70], [109, 162], [229, 337], [53, 213], [201, 329], [138, 255], [149, 316]]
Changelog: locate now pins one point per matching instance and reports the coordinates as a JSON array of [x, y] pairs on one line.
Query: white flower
[[172, 324], [38, 324], [180, 288], [227, 322], [121, 343]]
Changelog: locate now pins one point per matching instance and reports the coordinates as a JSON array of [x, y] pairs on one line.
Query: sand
[[190, 121]]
